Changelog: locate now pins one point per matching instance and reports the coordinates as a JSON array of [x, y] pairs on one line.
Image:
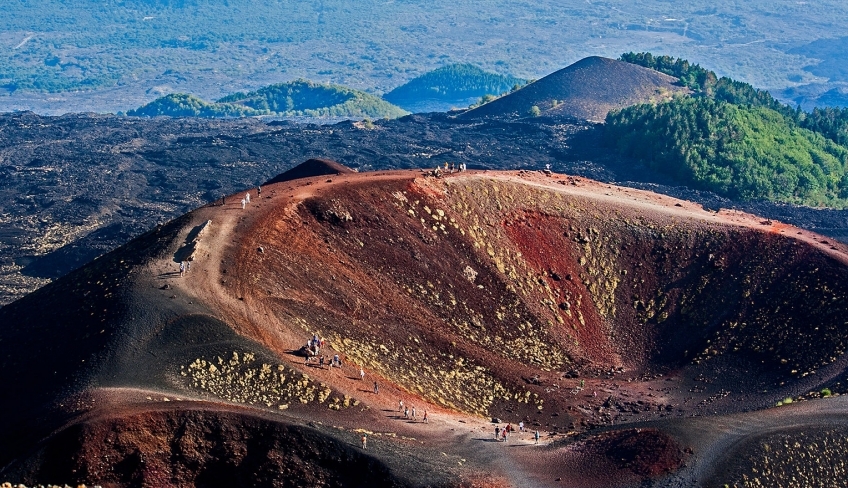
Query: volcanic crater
[[645, 338]]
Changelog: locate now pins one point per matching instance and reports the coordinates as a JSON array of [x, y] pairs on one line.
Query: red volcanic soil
[[611, 320]]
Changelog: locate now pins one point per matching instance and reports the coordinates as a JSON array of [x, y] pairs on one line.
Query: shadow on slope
[[191, 447]]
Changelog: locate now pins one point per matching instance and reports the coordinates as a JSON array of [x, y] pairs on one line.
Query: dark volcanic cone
[[311, 167], [560, 302], [586, 90]]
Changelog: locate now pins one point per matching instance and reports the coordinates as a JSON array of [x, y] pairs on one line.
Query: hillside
[[185, 105], [296, 98], [453, 85], [585, 90], [306, 98], [647, 339], [735, 140], [742, 153]]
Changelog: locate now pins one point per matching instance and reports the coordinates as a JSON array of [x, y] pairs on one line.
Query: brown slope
[[468, 296], [586, 90]]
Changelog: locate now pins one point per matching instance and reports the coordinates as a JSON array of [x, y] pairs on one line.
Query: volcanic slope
[[646, 338], [585, 90]]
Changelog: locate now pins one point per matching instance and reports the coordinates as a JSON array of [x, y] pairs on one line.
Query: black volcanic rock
[[586, 90], [309, 168], [77, 186]]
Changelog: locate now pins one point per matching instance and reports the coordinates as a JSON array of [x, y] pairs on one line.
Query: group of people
[[410, 413], [502, 434], [335, 362], [246, 199], [185, 266], [313, 349], [449, 168]]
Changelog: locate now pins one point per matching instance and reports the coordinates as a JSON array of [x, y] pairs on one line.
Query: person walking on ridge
[[365, 441]]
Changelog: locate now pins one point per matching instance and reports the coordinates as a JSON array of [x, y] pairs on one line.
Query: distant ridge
[[299, 98], [309, 168], [586, 90], [307, 98], [456, 85]]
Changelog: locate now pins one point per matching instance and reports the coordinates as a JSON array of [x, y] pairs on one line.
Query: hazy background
[[59, 56]]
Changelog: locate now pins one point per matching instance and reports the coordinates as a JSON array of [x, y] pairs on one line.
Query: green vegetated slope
[[302, 97], [454, 82], [735, 140], [185, 105], [296, 98]]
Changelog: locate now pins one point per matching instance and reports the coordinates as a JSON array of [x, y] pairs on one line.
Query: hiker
[[321, 362], [497, 431], [243, 203], [188, 266], [337, 362], [406, 413], [365, 441], [413, 412], [376, 388], [259, 191], [503, 434], [521, 426], [361, 374], [182, 268], [400, 405], [425, 417], [507, 430], [247, 197], [536, 436]]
